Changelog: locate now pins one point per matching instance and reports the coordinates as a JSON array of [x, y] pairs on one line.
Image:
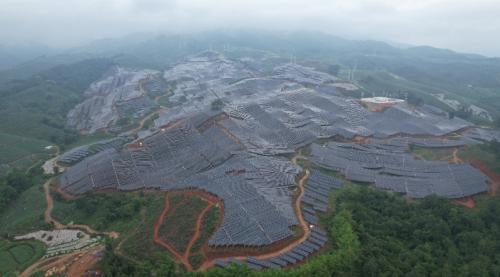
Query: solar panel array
[[314, 242], [79, 153], [480, 135], [316, 194], [234, 155], [399, 171], [256, 190]]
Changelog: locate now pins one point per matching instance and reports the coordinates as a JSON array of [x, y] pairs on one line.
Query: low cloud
[[470, 26]]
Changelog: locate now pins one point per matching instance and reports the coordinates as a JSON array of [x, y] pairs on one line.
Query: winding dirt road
[[58, 225], [455, 158], [302, 224], [159, 241], [197, 232], [50, 206]]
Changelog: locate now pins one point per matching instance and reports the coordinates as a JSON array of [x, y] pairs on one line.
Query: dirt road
[[302, 224], [58, 225], [197, 232], [73, 264], [455, 158], [141, 123], [50, 206], [159, 241]]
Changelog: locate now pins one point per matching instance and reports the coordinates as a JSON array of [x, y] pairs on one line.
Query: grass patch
[[209, 224], [17, 256], [139, 244], [179, 226], [480, 152], [18, 152], [164, 101], [196, 260], [431, 154], [118, 211], [131, 214], [13, 147], [25, 214]]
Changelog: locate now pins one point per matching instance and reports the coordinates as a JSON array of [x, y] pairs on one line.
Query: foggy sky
[[462, 25]]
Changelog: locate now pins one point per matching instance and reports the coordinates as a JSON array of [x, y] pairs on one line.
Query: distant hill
[[377, 66]]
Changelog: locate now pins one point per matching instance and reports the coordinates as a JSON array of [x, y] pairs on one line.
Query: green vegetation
[[37, 107], [489, 153], [196, 260], [34, 110], [21, 203], [377, 233], [158, 264], [179, 225], [208, 226], [384, 83], [12, 186], [433, 154], [101, 211], [138, 244], [13, 147], [210, 221], [132, 215], [149, 123], [164, 101], [16, 256], [25, 214], [428, 237], [217, 105]]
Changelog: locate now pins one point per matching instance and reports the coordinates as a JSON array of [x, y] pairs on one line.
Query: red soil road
[[197, 232], [159, 241], [58, 225], [184, 258], [84, 262], [71, 264], [494, 177], [302, 223], [455, 158]]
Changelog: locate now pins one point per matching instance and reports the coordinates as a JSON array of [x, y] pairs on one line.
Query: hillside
[[35, 109], [468, 78], [250, 154]]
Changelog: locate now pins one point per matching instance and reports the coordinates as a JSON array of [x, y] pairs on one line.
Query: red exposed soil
[[184, 257], [467, 202], [197, 232], [159, 241], [72, 264], [84, 263], [494, 177], [159, 222]]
